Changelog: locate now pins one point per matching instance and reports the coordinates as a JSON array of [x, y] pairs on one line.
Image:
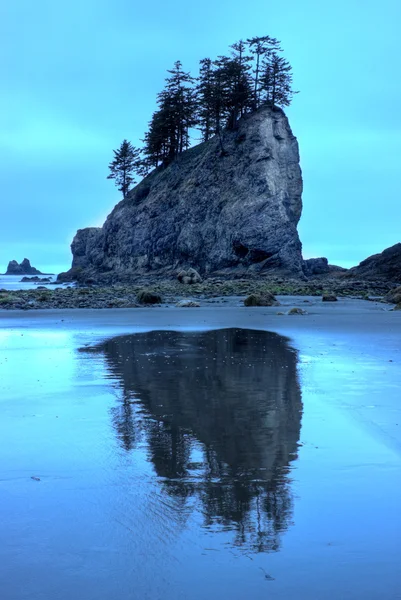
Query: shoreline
[[170, 292], [345, 315]]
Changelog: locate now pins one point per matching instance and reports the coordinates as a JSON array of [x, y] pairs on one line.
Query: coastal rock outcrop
[[316, 266], [385, 265], [35, 279], [230, 204], [394, 296], [190, 276], [23, 268], [320, 266], [266, 299]]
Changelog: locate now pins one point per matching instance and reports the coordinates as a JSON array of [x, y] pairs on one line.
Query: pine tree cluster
[[255, 73]]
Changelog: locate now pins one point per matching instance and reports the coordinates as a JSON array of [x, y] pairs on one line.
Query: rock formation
[[386, 265], [190, 276], [320, 266], [24, 268], [35, 279], [225, 205], [316, 266], [394, 296]]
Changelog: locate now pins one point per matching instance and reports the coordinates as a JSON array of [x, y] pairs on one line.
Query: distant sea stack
[[227, 206], [23, 268]]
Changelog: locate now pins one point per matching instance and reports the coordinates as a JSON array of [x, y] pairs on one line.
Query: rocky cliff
[[385, 265], [223, 205]]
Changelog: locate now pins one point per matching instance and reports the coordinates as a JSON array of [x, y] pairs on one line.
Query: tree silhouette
[[122, 168], [261, 47], [205, 94], [242, 83], [276, 81], [180, 93], [168, 133], [226, 89]]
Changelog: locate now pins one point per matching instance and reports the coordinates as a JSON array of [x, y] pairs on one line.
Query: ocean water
[[13, 282], [194, 465]]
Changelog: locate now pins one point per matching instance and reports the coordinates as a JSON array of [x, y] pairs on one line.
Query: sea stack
[[229, 206], [23, 268]]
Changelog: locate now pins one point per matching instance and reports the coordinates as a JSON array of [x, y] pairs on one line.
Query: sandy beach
[[98, 507], [348, 318]]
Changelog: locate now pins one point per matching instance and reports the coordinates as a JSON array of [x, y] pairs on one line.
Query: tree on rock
[[261, 47], [126, 162], [242, 88], [228, 88], [168, 134], [276, 81], [179, 102], [205, 92]]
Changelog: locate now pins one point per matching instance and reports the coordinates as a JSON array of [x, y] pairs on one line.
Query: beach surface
[[219, 451]]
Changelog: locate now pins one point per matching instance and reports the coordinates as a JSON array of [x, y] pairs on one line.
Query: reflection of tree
[[124, 423], [221, 414]]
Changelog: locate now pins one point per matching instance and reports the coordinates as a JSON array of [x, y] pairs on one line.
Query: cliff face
[[212, 210]]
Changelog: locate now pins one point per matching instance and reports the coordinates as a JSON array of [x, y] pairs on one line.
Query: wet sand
[[144, 490], [358, 316]]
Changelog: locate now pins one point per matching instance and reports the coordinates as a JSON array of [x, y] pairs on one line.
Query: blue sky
[[80, 76]]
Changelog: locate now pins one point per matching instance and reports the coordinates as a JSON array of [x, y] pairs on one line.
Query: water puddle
[[219, 413]]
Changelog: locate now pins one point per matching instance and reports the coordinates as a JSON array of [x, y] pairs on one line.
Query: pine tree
[[180, 97], [160, 140], [169, 128], [125, 163], [276, 81], [219, 95], [232, 86], [226, 89], [154, 140], [205, 95], [226, 96], [242, 84], [261, 47]]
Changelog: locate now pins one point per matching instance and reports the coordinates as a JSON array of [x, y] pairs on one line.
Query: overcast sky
[[79, 76]]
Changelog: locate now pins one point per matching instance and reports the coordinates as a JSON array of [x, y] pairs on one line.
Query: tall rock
[[230, 204]]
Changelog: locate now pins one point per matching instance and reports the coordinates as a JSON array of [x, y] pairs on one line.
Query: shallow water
[[13, 282], [196, 465]]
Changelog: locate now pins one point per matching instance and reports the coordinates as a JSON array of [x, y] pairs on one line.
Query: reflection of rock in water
[[221, 415]]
